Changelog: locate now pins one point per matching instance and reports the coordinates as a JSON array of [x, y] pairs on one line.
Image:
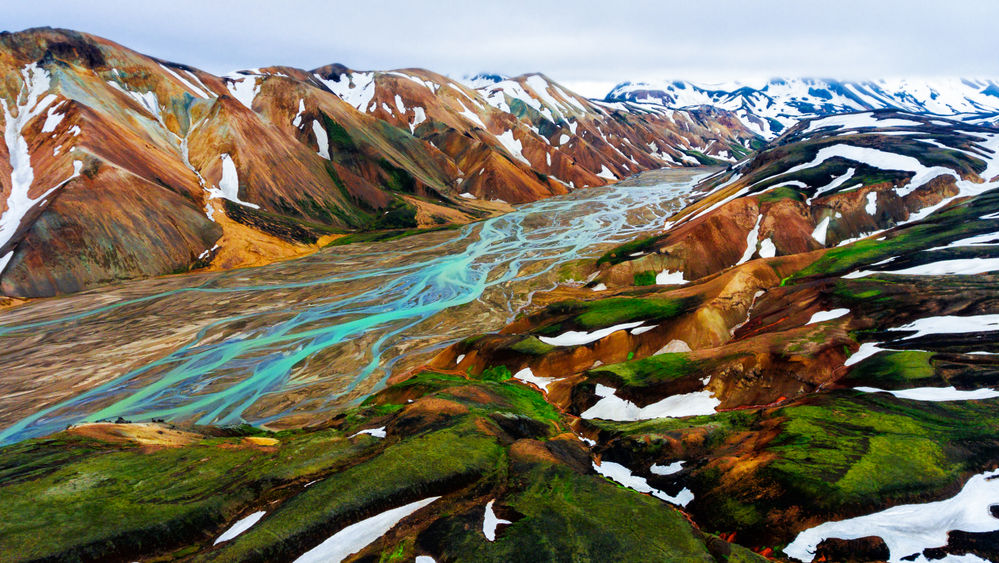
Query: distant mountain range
[[118, 165], [771, 107]]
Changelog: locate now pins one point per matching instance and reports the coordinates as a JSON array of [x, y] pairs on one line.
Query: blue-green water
[[299, 339]]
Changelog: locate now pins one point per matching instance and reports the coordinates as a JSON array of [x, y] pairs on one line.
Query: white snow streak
[[241, 526], [356, 537], [490, 522], [909, 529], [612, 407], [578, 338], [624, 476]]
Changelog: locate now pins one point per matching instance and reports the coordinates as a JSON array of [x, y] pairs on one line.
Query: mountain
[[770, 107], [118, 165], [809, 344], [800, 366]]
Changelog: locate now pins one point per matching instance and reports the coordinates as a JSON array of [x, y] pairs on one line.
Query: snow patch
[[241, 526], [819, 233], [624, 476], [767, 248], [751, 238], [956, 267], [872, 203], [419, 116], [606, 173], [376, 432], [935, 394], [670, 469], [512, 146], [579, 338], [612, 407], [356, 537], [667, 277], [823, 316], [911, 528], [228, 187], [19, 203], [244, 89], [528, 376], [187, 83], [52, 119], [356, 88], [322, 141], [490, 522]]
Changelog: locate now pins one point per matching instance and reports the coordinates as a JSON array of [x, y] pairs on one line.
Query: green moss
[[623, 252], [777, 194], [705, 160], [647, 277], [78, 498], [573, 270], [894, 370], [866, 448], [717, 427], [398, 554], [648, 371], [429, 382], [528, 402], [532, 346], [417, 467], [618, 310], [938, 229], [573, 517], [739, 151], [399, 180], [340, 140], [909, 462], [495, 373], [399, 214]]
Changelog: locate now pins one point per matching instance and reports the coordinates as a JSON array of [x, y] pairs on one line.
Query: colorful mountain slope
[[117, 165], [808, 346], [439, 467], [770, 107], [814, 398]]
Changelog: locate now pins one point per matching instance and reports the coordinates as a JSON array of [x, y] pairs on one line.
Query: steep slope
[[805, 348], [149, 153], [800, 399], [825, 183], [530, 126], [771, 107], [439, 468], [117, 165]]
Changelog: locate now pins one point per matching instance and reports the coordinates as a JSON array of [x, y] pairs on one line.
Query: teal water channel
[[300, 339]]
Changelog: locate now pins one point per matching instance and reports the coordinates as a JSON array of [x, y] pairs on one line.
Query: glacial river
[[290, 343]]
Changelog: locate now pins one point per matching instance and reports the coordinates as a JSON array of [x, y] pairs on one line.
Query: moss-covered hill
[[831, 374], [124, 492], [711, 416]]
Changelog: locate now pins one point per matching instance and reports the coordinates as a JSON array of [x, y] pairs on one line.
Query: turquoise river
[[290, 343]]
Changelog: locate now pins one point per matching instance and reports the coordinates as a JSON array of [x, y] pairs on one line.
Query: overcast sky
[[588, 45]]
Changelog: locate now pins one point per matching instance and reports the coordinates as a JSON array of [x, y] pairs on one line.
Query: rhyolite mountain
[[801, 365], [118, 165], [770, 107]]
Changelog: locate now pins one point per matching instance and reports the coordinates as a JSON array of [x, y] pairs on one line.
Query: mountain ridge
[[769, 107], [99, 136]]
